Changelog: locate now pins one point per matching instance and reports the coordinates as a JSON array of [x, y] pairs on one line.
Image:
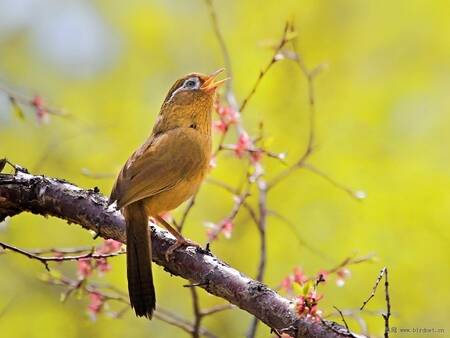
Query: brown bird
[[163, 173]]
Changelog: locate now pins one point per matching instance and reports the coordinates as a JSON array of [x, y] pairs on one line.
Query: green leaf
[[307, 287], [291, 35], [63, 296], [297, 289], [16, 109]]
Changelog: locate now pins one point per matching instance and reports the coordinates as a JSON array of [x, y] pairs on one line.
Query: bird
[[166, 170]]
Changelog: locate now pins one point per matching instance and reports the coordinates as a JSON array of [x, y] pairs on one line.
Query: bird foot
[[180, 242]]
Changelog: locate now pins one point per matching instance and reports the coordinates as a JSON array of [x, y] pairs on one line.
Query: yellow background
[[383, 123]]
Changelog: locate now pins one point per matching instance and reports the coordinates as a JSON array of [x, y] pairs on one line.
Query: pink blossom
[[228, 115], [96, 302], [211, 234], [220, 126], [213, 162], [37, 101], [300, 305], [343, 274], [312, 295], [102, 265], [242, 144], [213, 230], [41, 113], [286, 283], [227, 228], [109, 246], [299, 276], [84, 268], [307, 305], [324, 274], [256, 156]]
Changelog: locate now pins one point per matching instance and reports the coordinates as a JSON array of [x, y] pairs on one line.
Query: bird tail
[[139, 260]]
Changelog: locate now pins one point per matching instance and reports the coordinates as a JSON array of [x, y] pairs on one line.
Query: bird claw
[[179, 244]]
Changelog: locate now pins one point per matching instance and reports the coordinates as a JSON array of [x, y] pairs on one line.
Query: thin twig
[[274, 59], [263, 187], [16, 98], [346, 262], [261, 226], [187, 210], [343, 318], [350, 261], [338, 330], [121, 297], [225, 54], [356, 314], [216, 309], [236, 194], [17, 168], [374, 289], [300, 240], [46, 260], [64, 251], [197, 313], [386, 315], [175, 320], [239, 202], [262, 208], [319, 279], [310, 76], [252, 150], [357, 195], [223, 185], [229, 93]]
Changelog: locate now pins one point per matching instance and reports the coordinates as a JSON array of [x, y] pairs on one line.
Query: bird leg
[[180, 240]]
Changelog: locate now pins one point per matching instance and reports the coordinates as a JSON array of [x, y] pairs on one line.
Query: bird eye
[[190, 84]]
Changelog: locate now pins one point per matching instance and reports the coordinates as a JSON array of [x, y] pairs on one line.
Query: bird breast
[[194, 162]]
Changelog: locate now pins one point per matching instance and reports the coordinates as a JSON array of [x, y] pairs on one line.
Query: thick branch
[[53, 197]]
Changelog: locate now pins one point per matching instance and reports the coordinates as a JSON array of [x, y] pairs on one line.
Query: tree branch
[[45, 260], [46, 196]]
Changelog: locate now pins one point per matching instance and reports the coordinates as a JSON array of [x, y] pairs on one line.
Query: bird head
[[194, 89]]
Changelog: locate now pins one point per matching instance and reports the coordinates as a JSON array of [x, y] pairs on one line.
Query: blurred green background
[[383, 123]]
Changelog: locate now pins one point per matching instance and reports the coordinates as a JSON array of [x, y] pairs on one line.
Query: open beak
[[210, 83]]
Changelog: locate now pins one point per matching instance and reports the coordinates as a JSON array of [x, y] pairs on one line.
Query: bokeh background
[[383, 123]]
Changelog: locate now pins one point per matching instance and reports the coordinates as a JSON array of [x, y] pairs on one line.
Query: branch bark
[[46, 196]]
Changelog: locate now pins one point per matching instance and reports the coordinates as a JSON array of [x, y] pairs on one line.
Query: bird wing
[[159, 165]]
